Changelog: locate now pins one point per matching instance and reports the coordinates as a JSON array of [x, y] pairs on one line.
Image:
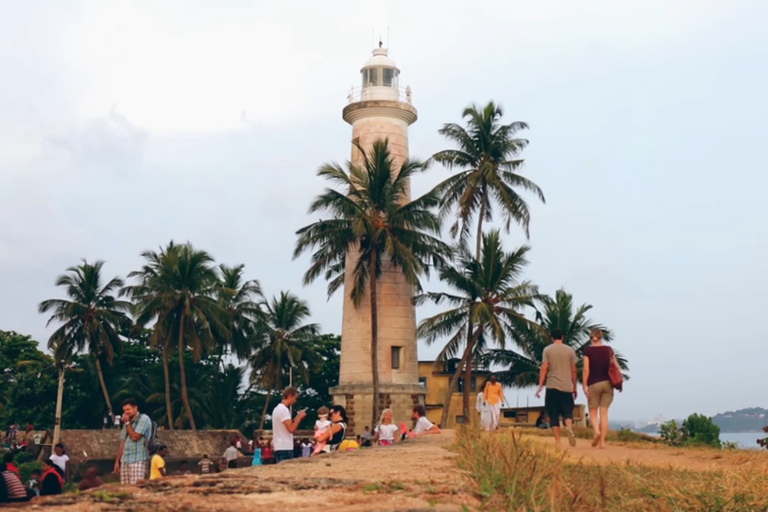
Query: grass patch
[[509, 473]]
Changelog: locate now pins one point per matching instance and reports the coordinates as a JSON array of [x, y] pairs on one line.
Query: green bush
[[671, 433], [21, 458], [699, 429], [27, 468]]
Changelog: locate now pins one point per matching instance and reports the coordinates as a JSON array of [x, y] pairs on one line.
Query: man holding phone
[[283, 427]]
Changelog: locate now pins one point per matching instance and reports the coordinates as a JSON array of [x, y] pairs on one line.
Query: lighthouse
[[379, 109]]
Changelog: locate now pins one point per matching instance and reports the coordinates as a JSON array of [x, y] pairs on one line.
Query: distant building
[[436, 378]]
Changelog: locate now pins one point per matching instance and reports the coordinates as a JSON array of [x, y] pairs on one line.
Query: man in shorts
[[133, 456], [558, 372]]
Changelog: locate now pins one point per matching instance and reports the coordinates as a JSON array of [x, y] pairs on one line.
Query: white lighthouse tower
[[379, 109]]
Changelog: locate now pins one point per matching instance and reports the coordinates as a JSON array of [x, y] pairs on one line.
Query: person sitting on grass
[[386, 431], [91, 480], [8, 460], [33, 486], [52, 482], [336, 433], [11, 490], [423, 425]]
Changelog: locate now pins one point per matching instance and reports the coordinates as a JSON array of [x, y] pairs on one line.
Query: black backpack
[[152, 444]]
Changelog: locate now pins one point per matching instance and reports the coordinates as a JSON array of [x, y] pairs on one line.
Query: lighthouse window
[[389, 74], [396, 357]]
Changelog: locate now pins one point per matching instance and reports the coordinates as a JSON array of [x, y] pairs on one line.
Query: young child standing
[[206, 465], [321, 427], [385, 433]]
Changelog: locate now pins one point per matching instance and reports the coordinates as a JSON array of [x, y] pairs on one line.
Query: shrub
[[26, 469], [699, 429], [763, 442], [21, 458], [671, 433]]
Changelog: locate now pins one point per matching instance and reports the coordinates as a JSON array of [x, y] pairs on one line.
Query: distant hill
[[743, 420]]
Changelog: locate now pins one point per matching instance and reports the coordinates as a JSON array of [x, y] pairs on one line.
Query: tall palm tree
[[523, 365], [374, 224], [283, 342], [237, 296], [91, 318], [489, 166], [177, 289], [489, 172], [489, 298]]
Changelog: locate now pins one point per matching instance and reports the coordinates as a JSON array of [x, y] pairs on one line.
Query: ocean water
[[745, 439]]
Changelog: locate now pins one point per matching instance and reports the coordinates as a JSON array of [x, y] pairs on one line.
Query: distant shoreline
[[741, 432]]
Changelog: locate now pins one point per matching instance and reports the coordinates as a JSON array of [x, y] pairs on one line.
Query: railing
[[379, 92]]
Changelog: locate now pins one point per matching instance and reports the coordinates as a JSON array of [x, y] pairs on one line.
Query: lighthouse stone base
[[357, 399]]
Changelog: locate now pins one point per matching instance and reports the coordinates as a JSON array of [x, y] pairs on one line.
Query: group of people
[[558, 374], [48, 482], [331, 428]]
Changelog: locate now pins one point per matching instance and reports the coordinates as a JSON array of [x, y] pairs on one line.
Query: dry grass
[[510, 473]]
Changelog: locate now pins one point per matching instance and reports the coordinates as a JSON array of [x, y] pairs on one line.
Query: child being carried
[[321, 427]]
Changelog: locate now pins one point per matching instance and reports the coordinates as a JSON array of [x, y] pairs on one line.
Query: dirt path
[[660, 456], [416, 475]]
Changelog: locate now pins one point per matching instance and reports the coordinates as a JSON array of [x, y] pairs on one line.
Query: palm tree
[[177, 289], [374, 225], [552, 313], [236, 295], [283, 342], [487, 156], [91, 318], [489, 299]]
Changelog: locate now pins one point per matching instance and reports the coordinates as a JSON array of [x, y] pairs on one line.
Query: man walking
[[494, 397], [283, 427], [558, 372], [133, 455]]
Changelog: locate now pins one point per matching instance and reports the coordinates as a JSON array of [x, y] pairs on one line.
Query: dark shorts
[[281, 455], [559, 404], [232, 464]]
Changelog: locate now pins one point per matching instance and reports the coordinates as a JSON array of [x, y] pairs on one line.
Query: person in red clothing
[[11, 489], [8, 460], [596, 382], [266, 453], [52, 481]]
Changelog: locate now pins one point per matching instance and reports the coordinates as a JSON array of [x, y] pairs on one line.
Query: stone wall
[[358, 402]]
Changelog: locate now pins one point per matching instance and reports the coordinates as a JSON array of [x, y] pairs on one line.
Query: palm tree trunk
[[59, 400], [103, 384], [266, 407], [455, 379], [470, 344], [168, 404], [374, 340], [184, 396]]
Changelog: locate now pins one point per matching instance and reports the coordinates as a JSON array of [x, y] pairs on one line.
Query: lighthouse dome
[[380, 59]]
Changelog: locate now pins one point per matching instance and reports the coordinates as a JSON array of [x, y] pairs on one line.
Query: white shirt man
[[283, 427]]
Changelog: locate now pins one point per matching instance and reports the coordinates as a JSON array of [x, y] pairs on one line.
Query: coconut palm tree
[[489, 298], [375, 225], [283, 343], [237, 296], [523, 364], [487, 156], [489, 174], [177, 289], [91, 317]]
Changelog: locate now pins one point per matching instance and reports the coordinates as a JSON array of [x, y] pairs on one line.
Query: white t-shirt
[[322, 425], [282, 439], [60, 460], [387, 432], [423, 425], [230, 453]]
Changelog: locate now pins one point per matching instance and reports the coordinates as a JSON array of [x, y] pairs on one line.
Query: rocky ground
[[419, 474]]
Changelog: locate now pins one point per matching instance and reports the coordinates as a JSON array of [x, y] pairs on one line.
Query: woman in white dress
[[485, 412]]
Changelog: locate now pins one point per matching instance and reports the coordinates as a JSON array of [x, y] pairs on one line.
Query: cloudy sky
[[126, 124]]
